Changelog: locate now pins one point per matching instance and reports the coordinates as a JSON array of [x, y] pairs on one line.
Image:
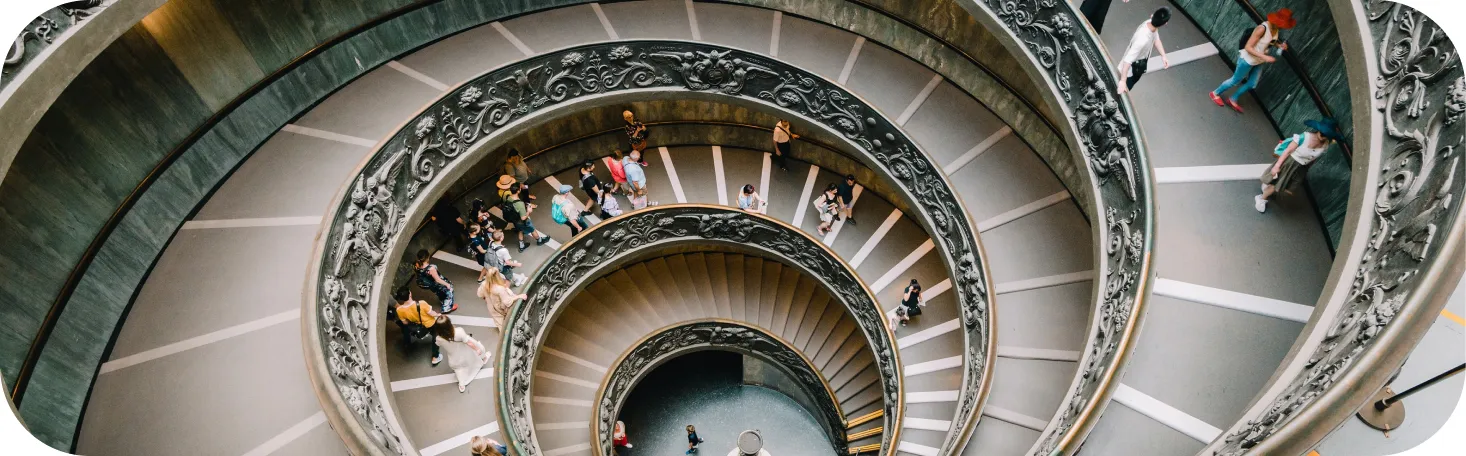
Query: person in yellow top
[[415, 318]]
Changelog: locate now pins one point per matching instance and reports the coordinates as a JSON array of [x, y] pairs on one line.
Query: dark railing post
[[1389, 401]]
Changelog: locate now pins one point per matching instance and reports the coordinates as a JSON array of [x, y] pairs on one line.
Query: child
[[608, 204], [692, 439]]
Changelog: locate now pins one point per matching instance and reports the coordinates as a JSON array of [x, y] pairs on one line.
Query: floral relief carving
[[1419, 92], [42, 32]]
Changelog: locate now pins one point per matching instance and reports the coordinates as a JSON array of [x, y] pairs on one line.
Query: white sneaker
[[1259, 203]]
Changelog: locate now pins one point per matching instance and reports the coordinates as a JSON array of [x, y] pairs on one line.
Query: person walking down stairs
[[782, 137], [415, 319], [516, 211], [636, 176], [1295, 153], [749, 200], [911, 299], [466, 355], [1257, 49], [429, 279], [607, 202], [562, 210], [484, 446], [828, 205], [500, 297], [845, 190], [1137, 54], [618, 434], [498, 258], [692, 439]]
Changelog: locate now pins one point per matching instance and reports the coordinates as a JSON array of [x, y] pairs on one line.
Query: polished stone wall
[[1315, 43]]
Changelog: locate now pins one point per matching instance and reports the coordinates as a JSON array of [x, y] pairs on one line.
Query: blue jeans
[[1246, 75]]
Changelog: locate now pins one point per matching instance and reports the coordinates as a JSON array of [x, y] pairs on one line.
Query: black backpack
[[511, 214]]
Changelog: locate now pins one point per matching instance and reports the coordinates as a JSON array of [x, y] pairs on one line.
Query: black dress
[[1095, 11]]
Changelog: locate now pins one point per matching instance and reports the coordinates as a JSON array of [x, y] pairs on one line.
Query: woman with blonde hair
[[484, 446], [465, 354], [495, 290]]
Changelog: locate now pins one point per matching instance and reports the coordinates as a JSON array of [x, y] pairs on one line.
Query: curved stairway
[[1037, 244]]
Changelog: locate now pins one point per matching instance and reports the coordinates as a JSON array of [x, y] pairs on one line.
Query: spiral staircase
[[1032, 344]]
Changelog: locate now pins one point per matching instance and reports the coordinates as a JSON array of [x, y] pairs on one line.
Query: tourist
[[562, 210], [782, 149], [466, 355], [416, 318], [496, 292], [1147, 38], [692, 439], [1094, 11], [828, 206], [505, 262], [590, 184], [1258, 48], [515, 167], [846, 193], [516, 212], [479, 214], [618, 434], [429, 279], [608, 204], [636, 176], [636, 131], [478, 247], [1294, 155], [484, 446], [618, 173], [449, 221], [749, 200], [911, 299], [899, 316]]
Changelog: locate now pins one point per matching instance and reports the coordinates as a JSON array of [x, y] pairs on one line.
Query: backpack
[[1283, 145], [511, 214], [557, 214], [492, 259]]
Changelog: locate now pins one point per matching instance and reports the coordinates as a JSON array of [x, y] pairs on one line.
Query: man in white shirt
[[1147, 37]]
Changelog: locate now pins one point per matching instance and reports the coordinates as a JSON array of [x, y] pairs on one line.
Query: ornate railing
[[1065, 52], [686, 337], [366, 225], [595, 251], [42, 32], [1402, 251]]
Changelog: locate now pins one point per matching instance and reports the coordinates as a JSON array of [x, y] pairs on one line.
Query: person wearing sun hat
[[1295, 153], [1260, 47]]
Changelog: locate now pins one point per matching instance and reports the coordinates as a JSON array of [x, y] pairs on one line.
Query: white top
[[1142, 43], [1268, 35], [1305, 155]]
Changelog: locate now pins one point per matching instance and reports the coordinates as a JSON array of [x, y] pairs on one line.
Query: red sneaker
[[1235, 106], [1216, 99]]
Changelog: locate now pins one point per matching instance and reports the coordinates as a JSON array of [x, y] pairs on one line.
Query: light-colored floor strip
[[1014, 417], [902, 266], [1219, 173], [199, 341], [444, 256], [875, 238], [459, 440], [566, 379], [932, 366], [562, 426], [277, 442], [1044, 282], [512, 39], [562, 401], [423, 78], [837, 226], [440, 379], [1037, 354], [562, 451], [692, 21], [574, 359], [932, 396], [774, 38], [916, 449], [763, 181], [926, 424], [850, 60], [1233, 300], [1182, 56], [718, 175], [329, 136], [1022, 211], [928, 334], [672, 174], [920, 98], [482, 322], [1166, 414], [814, 173], [605, 22], [976, 151], [250, 222]]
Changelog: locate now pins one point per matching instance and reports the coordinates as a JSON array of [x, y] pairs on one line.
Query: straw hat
[[505, 181], [1282, 19]]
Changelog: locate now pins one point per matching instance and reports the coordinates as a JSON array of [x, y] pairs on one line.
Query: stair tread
[[803, 288], [842, 331], [833, 312], [861, 362], [769, 292], [737, 287], [797, 308], [651, 289], [637, 302], [718, 282], [682, 280], [812, 314], [697, 268]]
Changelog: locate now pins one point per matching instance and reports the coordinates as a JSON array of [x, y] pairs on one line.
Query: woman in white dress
[[465, 354]]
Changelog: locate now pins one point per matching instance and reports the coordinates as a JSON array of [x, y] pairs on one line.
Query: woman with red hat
[[1258, 48]]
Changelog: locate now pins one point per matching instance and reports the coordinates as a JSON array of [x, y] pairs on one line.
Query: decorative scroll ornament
[[42, 31], [1422, 95], [604, 244], [1059, 43], [675, 341], [369, 221]]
